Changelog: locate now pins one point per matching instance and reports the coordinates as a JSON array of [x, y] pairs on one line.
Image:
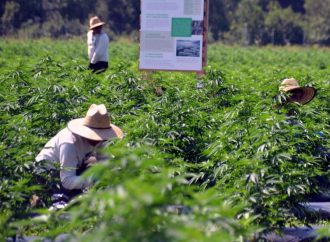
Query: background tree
[[124, 16], [317, 26], [238, 21], [248, 25], [283, 25], [221, 14], [8, 20], [296, 5]]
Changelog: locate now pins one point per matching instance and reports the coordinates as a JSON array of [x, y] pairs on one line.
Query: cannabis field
[[214, 159]]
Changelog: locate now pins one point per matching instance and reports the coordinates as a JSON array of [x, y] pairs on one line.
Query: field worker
[[74, 147], [98, 43], [296, 93], [303, 95]]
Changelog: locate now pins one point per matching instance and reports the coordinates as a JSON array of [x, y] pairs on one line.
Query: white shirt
[[70, 150], [97, 47]]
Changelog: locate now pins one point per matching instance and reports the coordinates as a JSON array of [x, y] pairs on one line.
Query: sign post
[[173, 35]]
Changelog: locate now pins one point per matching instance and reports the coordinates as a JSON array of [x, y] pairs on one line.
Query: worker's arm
[[69, 162], [90, 45]]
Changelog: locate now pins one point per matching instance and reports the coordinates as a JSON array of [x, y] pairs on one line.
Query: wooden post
[[199, 74]]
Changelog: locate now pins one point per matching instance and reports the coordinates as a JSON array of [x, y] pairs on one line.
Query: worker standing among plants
[[74, 148], [98, 43]]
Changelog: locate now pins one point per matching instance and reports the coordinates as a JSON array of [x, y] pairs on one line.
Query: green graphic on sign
[[181, 27]]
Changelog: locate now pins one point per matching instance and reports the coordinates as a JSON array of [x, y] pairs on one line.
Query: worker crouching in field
[[296, 93], [302, 96], [98, 43], [74, 148]]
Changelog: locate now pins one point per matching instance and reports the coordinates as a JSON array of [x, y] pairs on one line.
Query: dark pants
[[98, 67]]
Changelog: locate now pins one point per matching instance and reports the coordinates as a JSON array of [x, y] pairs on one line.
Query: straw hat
[[299, 94], [96, 125], [95, 22]]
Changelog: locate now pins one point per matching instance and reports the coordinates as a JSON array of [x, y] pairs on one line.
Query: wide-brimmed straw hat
[[299, 94], [96, 125], [95, 22]]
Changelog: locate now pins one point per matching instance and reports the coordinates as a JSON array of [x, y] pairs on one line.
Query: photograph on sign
[[189, 48], [171, 35]]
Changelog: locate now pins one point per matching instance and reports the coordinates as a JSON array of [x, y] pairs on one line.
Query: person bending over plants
[[73, 148], [303, 95]]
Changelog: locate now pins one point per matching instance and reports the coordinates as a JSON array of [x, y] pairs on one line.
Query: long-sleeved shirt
[[97, 47], [70, 150]]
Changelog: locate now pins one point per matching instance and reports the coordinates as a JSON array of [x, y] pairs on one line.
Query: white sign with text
[[171, 35]]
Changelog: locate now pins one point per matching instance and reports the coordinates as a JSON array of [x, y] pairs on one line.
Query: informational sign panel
[[173, 34]]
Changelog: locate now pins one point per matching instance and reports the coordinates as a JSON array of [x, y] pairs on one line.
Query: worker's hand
[[34, 200], [90, 161]]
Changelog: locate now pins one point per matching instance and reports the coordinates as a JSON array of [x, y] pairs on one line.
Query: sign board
[[173, 35]]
